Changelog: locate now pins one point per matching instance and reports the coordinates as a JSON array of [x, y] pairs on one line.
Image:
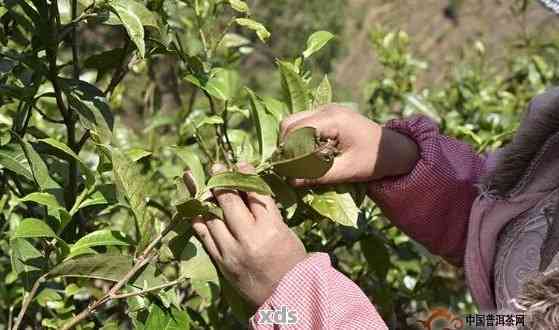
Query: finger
[[238, 217], [325, 125], [188, 180], [221, 235], [293, 119], [204, 235], [261, 206]]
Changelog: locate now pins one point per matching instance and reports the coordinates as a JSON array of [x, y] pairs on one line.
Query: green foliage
[[478, 103], [93, 206], [84, 197]]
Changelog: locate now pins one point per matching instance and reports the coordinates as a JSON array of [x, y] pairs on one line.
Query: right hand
[[368, 151]]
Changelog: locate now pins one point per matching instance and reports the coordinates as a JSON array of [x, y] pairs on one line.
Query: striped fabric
[[431, 204], [322, 298]]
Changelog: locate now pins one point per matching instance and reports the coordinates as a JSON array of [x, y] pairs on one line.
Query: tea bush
[[94, 212]]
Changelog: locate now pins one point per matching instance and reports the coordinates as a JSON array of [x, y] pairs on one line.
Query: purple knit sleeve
[[432, 203]]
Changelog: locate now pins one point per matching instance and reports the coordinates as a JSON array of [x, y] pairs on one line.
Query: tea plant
[[96, 220]]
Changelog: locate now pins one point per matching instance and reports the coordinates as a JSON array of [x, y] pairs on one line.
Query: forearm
[[432, 202], [397, 155], [314, 295]]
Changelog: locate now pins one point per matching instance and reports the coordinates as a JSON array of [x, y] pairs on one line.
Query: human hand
[[252, 246], [367, 151]]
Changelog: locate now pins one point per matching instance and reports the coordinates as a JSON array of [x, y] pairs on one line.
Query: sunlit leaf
[[131, 184], [38, 167], [336, 205], [222, 84], [323, 93], [266, 127], [294, 88], [239, 6], [46, 199], [239, 181], [134, 16], [210, 120], [13, 158], [168, 319], [193, 163], [29, 228], [135, 154], [196, 263], [257, 27], [100, 238], [316, 41]]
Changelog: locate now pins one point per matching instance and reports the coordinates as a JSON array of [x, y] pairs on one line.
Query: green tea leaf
[[241, 309], [30, 228], [169, 319], [13, 158], [266, 127], [27, 261], [239, 181], [196, 263], [79, 252], [131, 184], [222, 84], [210, 120], [38, 167], [42, 198], [191, 208], [284, 194], [193, 163], [277, 108], [316, 41], [65, 149], [260, 29], [101, 238], [132, 14], [239, 6], [336, 205], [323, 93], [294, 88], [299, 156], [135, 154], [103, 194], [102, 266], [91, 105]]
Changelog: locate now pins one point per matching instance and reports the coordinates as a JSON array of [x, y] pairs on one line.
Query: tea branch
[[47, 118], [219, 132], [227, 141], [27, 300], [145, 258], [155, 288]]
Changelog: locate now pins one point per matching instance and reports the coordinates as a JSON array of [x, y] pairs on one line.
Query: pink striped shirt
[[437, 194]]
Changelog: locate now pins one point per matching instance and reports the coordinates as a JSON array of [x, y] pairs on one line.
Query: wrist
[[398, 154]]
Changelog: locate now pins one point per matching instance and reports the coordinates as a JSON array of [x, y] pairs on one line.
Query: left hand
[[252, 246]]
